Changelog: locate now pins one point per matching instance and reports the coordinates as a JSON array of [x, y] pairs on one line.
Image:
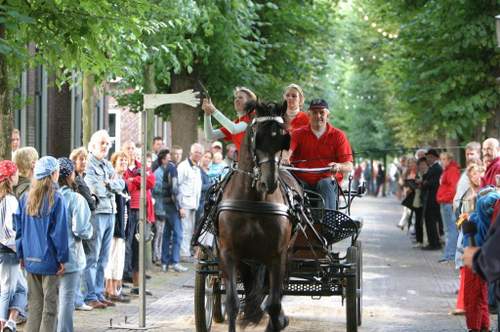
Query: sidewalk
[[405, 289]]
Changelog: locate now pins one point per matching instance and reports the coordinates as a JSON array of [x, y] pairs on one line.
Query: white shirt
[[8, 207], [189, 177]]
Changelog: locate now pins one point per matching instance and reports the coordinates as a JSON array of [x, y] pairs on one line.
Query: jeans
[[97, 255], [79, 299], [132, 224], [187, 231], [42, 305], [159, 227], [451, 231], [12, 288], [328, 190], [67, 301], [173, 229]]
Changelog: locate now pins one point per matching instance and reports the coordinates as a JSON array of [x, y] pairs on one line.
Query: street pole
[[151, 101], [142, 223]]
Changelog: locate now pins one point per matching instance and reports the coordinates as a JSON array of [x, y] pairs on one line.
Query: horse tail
[[252, 311]]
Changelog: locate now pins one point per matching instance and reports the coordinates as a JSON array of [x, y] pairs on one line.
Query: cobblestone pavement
[[405, 289]]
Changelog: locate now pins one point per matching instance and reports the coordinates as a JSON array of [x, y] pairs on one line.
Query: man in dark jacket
[[485, 260], [432, 212]]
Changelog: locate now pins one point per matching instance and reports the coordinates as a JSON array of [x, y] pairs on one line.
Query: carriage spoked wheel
[[351, 290], [203, 301], [219, 302], [359, 274]]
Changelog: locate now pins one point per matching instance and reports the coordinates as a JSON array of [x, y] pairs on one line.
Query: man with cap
[[321, 145], [432, 213]]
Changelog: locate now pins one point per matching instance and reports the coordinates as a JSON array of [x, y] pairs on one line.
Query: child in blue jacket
[[42, 243]]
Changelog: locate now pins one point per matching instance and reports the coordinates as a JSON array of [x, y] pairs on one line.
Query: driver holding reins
[[321, 145]]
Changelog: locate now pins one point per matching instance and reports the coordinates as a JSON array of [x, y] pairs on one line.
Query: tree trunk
[[5, 106], [88, 107], [184, 118], [150, 87]]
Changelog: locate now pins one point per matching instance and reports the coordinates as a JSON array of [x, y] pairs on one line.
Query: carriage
[[316, 267]]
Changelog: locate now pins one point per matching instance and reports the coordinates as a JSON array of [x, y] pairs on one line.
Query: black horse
[[254, 225]]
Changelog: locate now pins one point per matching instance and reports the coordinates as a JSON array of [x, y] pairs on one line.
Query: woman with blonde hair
[[230, 131], [25, 159], [79, 157], [113, 273], [42, 243], [294, 99]]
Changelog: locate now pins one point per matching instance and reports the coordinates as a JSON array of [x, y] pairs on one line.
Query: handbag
[[408, 200]]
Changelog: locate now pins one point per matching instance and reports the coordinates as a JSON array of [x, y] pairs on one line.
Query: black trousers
[[432, 217], [419, 224]]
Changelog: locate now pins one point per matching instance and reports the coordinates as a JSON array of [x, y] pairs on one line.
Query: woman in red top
[[294, 117], [230, 131], [132, 177]]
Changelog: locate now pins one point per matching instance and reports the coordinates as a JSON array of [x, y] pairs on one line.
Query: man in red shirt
[[445, 194], [320, 145], [491, 160]]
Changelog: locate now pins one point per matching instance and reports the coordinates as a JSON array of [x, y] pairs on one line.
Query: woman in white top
[[230, 131], [295, 118]]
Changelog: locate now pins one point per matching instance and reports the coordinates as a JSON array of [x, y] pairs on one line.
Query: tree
[[69, 36], [442, 69]]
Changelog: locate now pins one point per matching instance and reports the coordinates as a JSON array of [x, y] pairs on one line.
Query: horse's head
[[268, 138]]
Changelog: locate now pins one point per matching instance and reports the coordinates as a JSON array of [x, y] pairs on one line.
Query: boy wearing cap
[[42, 243], [320, 145]]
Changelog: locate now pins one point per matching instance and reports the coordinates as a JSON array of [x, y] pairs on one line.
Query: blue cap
[[66, 167], [45, 166]]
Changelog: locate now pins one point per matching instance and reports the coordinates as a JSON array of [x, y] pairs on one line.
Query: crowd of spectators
[[69, 226], [438, 197]]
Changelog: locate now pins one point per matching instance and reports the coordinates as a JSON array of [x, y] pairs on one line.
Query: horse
[[254, 226]]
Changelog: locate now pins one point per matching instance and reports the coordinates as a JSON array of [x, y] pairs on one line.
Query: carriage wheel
[[351, 291], [203, 301], [359, 246], [219, 303]]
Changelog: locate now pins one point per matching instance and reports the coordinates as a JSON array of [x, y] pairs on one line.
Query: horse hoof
[[285, 322]]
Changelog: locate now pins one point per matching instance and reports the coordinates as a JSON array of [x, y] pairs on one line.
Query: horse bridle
[[256, 174]]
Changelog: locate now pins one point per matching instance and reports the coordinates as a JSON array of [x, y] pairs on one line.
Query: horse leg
[[277, 319], [232, 300]]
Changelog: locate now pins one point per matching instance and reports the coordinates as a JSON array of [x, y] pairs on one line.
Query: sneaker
[[84, 307], [179, 268], [164, 268], [135, 291], [10, 326]]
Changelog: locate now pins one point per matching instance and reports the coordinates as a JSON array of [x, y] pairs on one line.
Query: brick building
[[50, 119]]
